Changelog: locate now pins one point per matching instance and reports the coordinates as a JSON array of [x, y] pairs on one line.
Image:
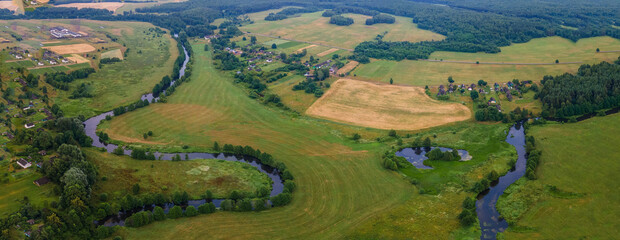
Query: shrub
[[175, 212], [191, 211]]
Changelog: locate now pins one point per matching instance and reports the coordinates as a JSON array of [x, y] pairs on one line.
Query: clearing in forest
[[385, 106], [312, 27], [72, 48]]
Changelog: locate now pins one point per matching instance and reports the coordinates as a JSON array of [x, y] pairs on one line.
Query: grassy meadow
[[542, 50], [195, 176], [148, 60], [312, 27], [581, 161], [343, 190], [19, 184]]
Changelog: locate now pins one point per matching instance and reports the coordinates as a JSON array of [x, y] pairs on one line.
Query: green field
[[312, 27], [542, 50], [581, 161], [19, 185], [343, 189], [149, 59], [195, 176], [116, 53]]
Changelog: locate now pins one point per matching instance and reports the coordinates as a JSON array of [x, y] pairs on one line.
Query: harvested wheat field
[[8, 5], [111, 6], [78, 59], [385, 106], [327, 52], [72, 48], [348, 67]]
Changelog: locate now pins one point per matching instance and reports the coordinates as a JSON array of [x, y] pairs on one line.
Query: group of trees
[[340, 20], [593, 88], [533, 157], [132, 106], [61, 80], [468, 216], [437, 155], [380, 18], [162, 85]]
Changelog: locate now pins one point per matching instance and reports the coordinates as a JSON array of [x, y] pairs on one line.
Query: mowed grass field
[[542, 50], [340, 184], [149, 59], [167, 177], [312, 27], [385, 106], [343, 191], [579, 158]]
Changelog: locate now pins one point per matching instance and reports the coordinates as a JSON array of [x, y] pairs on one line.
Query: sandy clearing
[[111, 6], [327, 52], [348, 67], [385, 106], [78, 59], [8, 5], [306, 47], [72, 48]]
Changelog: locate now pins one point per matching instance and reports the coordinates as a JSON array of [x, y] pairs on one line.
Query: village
[[505, 90]]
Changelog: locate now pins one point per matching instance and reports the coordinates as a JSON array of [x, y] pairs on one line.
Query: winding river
[[490, 221], [90, 127]]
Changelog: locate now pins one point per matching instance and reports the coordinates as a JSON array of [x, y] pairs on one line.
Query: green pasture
[[543, 50], [581, 161]]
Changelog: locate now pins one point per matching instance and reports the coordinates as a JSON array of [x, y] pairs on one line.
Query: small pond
[[416, 156]]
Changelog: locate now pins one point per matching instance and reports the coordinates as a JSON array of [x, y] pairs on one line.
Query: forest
[[594, 87]]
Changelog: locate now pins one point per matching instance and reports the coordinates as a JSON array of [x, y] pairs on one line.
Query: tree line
[[592, 88]]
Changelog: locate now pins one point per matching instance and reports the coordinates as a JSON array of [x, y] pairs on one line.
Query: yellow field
[[348, 67], [541, 50], [9, 5], [111, 6], [385, 106], [312, 27], [78, 59], [72, 48]]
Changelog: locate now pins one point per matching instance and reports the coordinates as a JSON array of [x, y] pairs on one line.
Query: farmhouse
[[41, 181], [23, 163], [61, 32]]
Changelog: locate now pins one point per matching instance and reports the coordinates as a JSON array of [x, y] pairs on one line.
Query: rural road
[[295, 40]]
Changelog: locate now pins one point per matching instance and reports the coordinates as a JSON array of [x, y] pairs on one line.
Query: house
[[26, 108], [492, 101], [42, 152], [23, 163], [41, 181], [30, 221], [29, 125], [61, 32]]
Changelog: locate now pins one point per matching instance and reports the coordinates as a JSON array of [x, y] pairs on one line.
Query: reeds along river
[[90, 127]]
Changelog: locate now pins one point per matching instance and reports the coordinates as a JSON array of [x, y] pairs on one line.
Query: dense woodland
[[593, 88]]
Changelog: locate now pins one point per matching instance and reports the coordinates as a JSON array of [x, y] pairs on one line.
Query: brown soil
[[72, 48]]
